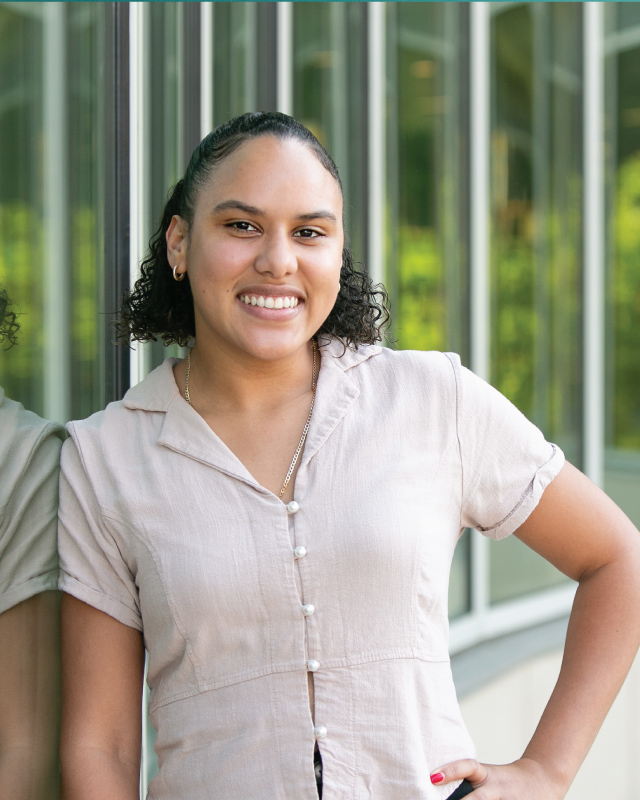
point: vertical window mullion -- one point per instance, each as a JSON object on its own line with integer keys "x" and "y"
{"x": 57, "y": 362}
{"x": 206, "y": 68}
{"x": 284, "y": 49}
{"x": 138, "y": 165}
{"x": 480, "y": 97}
{"x": 594, "y": 253}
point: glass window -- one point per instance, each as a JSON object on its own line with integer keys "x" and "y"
{"x": 427, "y": 174}
{"x": 622, "y": 99}
{"x": 329, "y": 97}
{"x": 51, "y": 188}
{"x": 234, "y": 60}
{"x": 536, "y": 277}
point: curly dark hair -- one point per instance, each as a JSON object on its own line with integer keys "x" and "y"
{"x": 8, "y": 325}
{"x": 159, "y": 307}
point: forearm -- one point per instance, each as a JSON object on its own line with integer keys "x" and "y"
{"x": 30, "y": 699}
{"x": 602, "y": 640}
{"x": 28, "y": 774}
{"x": 89, "y": 773}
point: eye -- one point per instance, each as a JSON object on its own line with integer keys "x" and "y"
{"x": 242, "y": 225}
{"x": 308, "y": 233}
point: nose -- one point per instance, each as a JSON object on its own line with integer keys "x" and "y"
{"x": 276, "y": 256}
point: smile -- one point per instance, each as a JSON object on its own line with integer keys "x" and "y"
{"x": 268, "y": 302}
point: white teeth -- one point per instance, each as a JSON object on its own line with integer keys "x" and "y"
{"x": 269, "y": 302}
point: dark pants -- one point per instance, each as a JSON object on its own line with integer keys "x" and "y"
{"x": 317, "y": 765}
{"x": 463, "y": 790}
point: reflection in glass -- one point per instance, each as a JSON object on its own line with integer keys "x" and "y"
{"x": 427, "y": 171}
{"x": 51, "y": 264}
{"x": 51, "y": 204}
{"x": 329, "y": 90}
{"x": 29, "y": 600}
{"x": 234, "y": 60}
{"x": 622, "y": 98}
{"x": 536, "y": 136}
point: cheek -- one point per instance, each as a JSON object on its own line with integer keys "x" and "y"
{"x": 216, "y": 270}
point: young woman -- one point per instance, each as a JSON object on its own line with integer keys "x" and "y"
{"x": 274, "y": 519}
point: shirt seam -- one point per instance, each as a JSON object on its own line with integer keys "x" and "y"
{"x": 178, "y": 620}
{"x": 456, "y": 381}
{"x": 281, "y": 669}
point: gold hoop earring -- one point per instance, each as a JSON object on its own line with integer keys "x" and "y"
{"x": 178, "y": 276}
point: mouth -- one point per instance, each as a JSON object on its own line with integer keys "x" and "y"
{"x": 269, "y": 301}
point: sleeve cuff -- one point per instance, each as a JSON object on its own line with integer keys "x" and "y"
{"x": 114, "y": 608}
{"x": 34, "y": 586}
{"x": 530, "y": 499}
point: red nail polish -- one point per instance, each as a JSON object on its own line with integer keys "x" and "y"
{"x": 437, "y": 777}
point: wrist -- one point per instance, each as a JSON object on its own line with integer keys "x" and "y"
{"x": 554, "y": 780}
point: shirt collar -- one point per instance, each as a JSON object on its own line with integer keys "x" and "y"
{"x": 159, "y": 388}
{"x": 185, "y": 431}
{"x": 156, "y": 391}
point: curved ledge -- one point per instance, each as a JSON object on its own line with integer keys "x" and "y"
{"x": 482, "y": 663}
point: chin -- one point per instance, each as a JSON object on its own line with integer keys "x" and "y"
{"x": 275, "y": 348}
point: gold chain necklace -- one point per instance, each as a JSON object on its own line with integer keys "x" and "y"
{"x": 305, "y": 430}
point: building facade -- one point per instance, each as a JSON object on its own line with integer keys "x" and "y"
{"x": 490, "y": 155}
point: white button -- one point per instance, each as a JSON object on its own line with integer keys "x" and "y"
{"x": 320, "y": 731}
{"x": 292, "y": 507}
{"x": 313, "y": 665}
{"x": 300, "y": 551}
{"x": 308, "y": 609}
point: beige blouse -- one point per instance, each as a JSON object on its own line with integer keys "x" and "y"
{"x": 29, "y": 457}
{"x": 239, "y": 596}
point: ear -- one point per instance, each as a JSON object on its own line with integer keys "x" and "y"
{"x": 176, "y": 236}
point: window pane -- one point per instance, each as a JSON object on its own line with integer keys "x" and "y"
{"x": 51, "y": 189}
{"x": 536, "y": 279}
{"x": 234, "y": 60}
{"x": 622, "y": 98}
{"x": 427, "y": 172}
{"x": 329, "y": 97}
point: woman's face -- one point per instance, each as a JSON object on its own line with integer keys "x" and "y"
{"x": 264, "y": 251}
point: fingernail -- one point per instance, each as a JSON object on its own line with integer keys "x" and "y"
{"x": 437, "y": 777}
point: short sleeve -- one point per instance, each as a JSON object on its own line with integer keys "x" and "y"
{"x": 506, "y": 461}
{"x": 92, "y": 566}
{"x": 28, "y": 554}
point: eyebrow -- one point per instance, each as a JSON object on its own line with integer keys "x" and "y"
{"x": 239, "y": 206}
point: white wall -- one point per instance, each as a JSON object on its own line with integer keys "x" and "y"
{"x": 502, "y": 715}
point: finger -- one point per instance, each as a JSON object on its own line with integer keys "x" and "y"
{"x": 468, "y": 768}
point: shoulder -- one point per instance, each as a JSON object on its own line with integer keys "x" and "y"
{"x": 404, "y": 368}
{"x": 25, "y": 438}
{"x": 144, "y": 404}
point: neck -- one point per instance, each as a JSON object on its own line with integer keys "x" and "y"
{"x": 232, "y": 381}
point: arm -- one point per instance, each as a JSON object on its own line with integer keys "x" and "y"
{"x": 30, "y": 698}
{"x": 582, "y": 532}
{"x": 102, "y": 673}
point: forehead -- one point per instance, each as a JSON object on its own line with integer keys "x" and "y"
{"x": 266, "y": 172}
